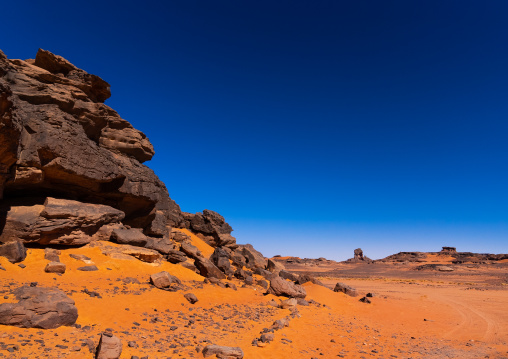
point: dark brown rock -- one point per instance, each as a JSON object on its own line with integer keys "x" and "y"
{"x": 253, "y": 258}
{"x": 220, "y": 258}
{"x": 59, "y": 139}
{"x": 282, "y": 287}
{"x": 14, "y": 251}
{"x": 191, "y": 298}
{"x": 344, "y": 288}
{"x": 175, "y": 256}
{"x": 222, "y": 352}
{"x": 130, "y": 236}
{"x": 211, "y": 227}
{"x": 190, "y": 250}
{"x": 161, "y": 245}
{"x": 90, "y": 268}
{"x": 39, "y": 307}
{"x": 57, "y": 221}
{"x": 208, "y": 269}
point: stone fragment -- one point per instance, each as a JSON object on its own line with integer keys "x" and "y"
{"x": 191, "y": 298}
{"x": 221, "y": 260}
{"x": 343, "y": 288}
{"x": 254, "y": 259}
{"x": 110, "y": 346}
{"x": 90, "y": 268}
{"x": 52, "y": 254}
{"x": 55, "y": 267}
{"x": 190, "y": 250}
{"x": 222, "y": 352}
{"x": 288, "y": 303}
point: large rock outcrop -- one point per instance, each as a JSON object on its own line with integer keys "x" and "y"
{"x": 58, "y": 139}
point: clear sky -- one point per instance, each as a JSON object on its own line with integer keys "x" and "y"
{"x": 314, "y": 127}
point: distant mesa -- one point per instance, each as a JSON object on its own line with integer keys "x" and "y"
{"x": 449, "y": 250}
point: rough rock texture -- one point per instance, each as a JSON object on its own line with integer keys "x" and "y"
{"x": 223, "y": 352}
{"x": 341, "y": 287}
{"x": 164, "y": 280}
{"x": 253, "y": 258}
{"x": 359, "y": 257}
{"x": 55, "y": 267}
{"x": 110, "y": 346}
{"x": 221, "y": 260}
{"x": 131, "y": 236}
{"x": 58, "y": 139}
{"x": 211, "y": 227}
{"x": 57, "y": 221}
{"x": 38, "y": 307}
{"x": 279, "y": 286}
{"x": 14, "y": 251}
{"x": 208, "y": 269}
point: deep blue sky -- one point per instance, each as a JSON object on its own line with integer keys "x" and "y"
{"x": 314, "y": 127}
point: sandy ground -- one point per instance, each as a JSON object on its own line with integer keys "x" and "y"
{"x": 414, "y": 314}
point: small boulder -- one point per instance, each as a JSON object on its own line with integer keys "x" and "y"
{"x": 52, "y": 254}
{"x": 55, "y": 267}
{"x": 174, "y": 256}
{"x": 254, "y": 259}
{"x": 164, "y": 280}
{"x": 288, "y": 275}
{"x": 14, "y": 251}
{"x": 208, "y": 269}
{"x": 282, "y": 287}
{"x": 274, "y": 266}
{"x": 191, "y": 298}
{"x": 341, "y": 287}
{"x": 90, "y": 268}
{"x": 365, "y": 300}
{"x": 288, "y": 303}
{"x": 190, "y": 250}
{"x": 110, "y": 346}
{"x": 222, "y": 352}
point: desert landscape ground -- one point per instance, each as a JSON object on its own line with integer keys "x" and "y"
{"x": 97, "y": 261}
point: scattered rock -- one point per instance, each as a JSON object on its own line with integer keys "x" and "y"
{"x": 164, "y": 280}
{"x": 208, "y": 269}
{"x": 222, "y": 352}
{"x": 444, "y": 268}
{"x": 341, "y": 287}
{"x": 39, "y": 307}
{"x": 289, "y": 303}
{"x": 52, "y": 254}
{"x": 55, "y": 267}
{"x": 365, "y": 300}
{"x": 191, "y": 298}
{"x": 91, "y": 268}
{"x": 279, "y": 286}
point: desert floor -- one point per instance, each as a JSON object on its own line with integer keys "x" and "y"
{"x": 413, "y": 314}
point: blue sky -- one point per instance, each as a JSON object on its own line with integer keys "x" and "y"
{"x": 313, "y": 127}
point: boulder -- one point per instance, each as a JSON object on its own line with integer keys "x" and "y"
{"x": 222, "y": 352}
{"x": 343, "y": 288}
{"x": 130, "y": 236}
{"x": 110, "y": 346}
{"x": 288, "y": 275}
{"x": 274, "y": 266}
{"x": 282, "y": 287}
{"x": 208, "y": 269}
{"x": 57, "y": 221}
{"x": 55, "y": 267}
{"x": 175, "y": 256}
{"x": 253, "y": 258}
{"x": 288, "y": 303}
{"x": 14, "y": 251}
{"x": 164, "y": 280}
{"x": 190, "y": 250}
{"x": 220, "y": 258}
{"x": 191, "y": 298}
{"x": 39, "y": 307}
{"x": 59, "y": 139}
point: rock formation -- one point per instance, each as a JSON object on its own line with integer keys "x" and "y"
{"x": 58, "y": 139}
{"x": 359, "y": 257}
